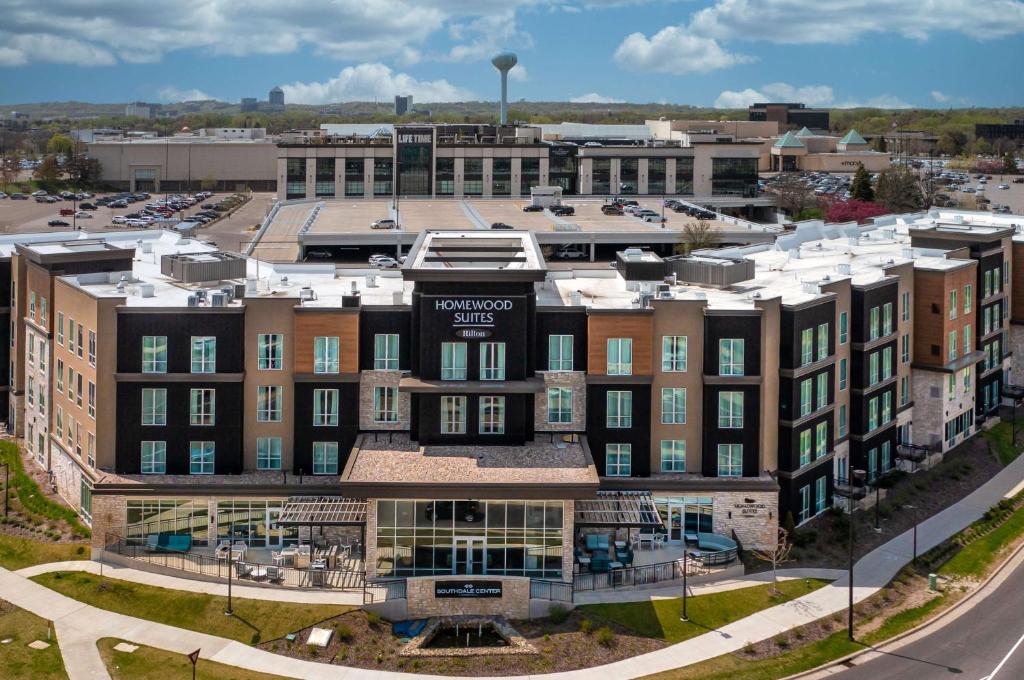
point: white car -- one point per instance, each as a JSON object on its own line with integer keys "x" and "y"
{"x": 386, "y": 223}
{"x": 119, "y": 219}
{"x": 386, "y": 263}
{"x": 39, "y": 193}
{"x": 1004, "y": 186}
{"x": 135, "y": 223}
{"x": 83, "y": 215}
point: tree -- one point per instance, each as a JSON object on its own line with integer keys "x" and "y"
{"x": 982, "y": 147}
{"x": 8, "y": 170}
{"x": 853, "y": 211}
{"x": 48, "y": 172}
{"x": 83, "y": 171}
{"x": 1009, "y": 163}
{"x": 793, "y": 195}
{"x": 860, "y": 188}
{"x": 898, "y": 190}
{"x": 697, "y": 235}
{"x": 951, "y": 143}
{"x": 880, "y": 144}
{"x": 775, "y": 556}
{"x": 61, "y": 145}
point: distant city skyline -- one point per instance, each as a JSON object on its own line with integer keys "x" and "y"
{"x": 726, "y": 53}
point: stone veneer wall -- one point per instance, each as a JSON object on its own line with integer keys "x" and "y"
{"x": 568, "y": 526}
{"x": 67, "y": 476}
{"x": 930, "y": 389}
{"x": 575, "y": 380}
{"x": 754, "y": 531}
{"x": 371, "y": 379}
{"x": 107, "y": 516}
{"x": 370, "y": 550}
{"x": 514, "y": 602}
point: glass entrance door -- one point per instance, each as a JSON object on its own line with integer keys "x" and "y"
{"x": 468, "y": 556}
{"x": 273, "y": 533}
{"x": 675, "y": 522}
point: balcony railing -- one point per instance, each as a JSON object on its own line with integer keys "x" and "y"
{"x": 650, "y": 573}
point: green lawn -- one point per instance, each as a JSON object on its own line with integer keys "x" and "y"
{"x": 975, "y": 558}
{"x": 1000, "y": 437}
{"x": 16, "y": 659}
{"x": 254, "y": 620}
{"x": 907, "y": 619}
{"x": 147, "y": 662}
{"x": 17, "y": 552}
{"x": 35, "y": 504}
{"x": 660, "y": 618}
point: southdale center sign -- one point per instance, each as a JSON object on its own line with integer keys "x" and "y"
{"x": 473, "y": 311}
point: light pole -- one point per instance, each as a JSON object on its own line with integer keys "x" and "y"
{"x": 878, "y": 526}
{"x": 858, "y": 476}
{"x": 684, "y": 617}
{"x": 229, "y": 611}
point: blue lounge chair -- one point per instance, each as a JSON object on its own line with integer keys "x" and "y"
{"x": 168, "y": 543}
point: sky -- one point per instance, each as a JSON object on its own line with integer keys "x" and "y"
{"x": 724, "y": 53}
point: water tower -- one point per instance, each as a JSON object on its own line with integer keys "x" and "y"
{"x": 504, "y": 63}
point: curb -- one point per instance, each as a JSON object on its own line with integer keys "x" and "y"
{"x": 916, "y": 629}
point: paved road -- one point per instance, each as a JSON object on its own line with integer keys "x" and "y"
{"x": 985, "y": 643}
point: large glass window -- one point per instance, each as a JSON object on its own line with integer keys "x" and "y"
{"x": 560, "y": 352}
{"x": 492, "y": 415}
{"x": 325, "y": 408}
{"x": 822, "y": 390}
{"x": 453, "y": 415}
{"x": 382, "y": 176}
{"x": 355, "y": 178}
{"x": 295, "y": 178}
{"x": 268, "y": 453}
{"x": 325, "y": 458}
{"x": 618, "y": 460}
{"x": 154, "y": 458}
{"x": 684, "y": 176}
{"x": 673, "y": 455}
{"x": 559, "y": 405}
{"x": 325, "y": 354}
{"x": 269, "y": 403}
{"x": 473, "y": 176}
{"x": 529, "y": 175}
{"x": 154, "y": 354}
{"x": 270, "y": 351}
{"x": 201, "y": 458}
{"x": 414, "y": 169}
{"x": 806, "y": 346}
{"x": 673, "y": 353}
{"x": 806, "y": 390}
{"x": 501, "y": 177}
{"x": 204, "y": 354}
{"x": 629, "y": 175}
{"x": 601, "y": 176}
{"x": 453, "y": 361}
{"x": 820, "y": 439}
{"x": 619, "y": 409}
{"x": 385, "y": 404}
{"x": 805, "y": 447}
{"x": 620, "y": 356}
{"x": 202, "y": 406}
{"x": 492, "y": 361}
{"x": 730, "y": 460}
{"x": 730, "y": 410}
{"x": 563, "y": 170}
{"x": 445, "y": 177}
{"x": 154, "y": 406}
{"x": 324, "y": 186}
{"x": 656, "y": 175}
{"x": 730, "y": 356}
{"x": 673, "y": 405}
{"x": 734, "y": 177}
{"x": 385, "y": 352}
{"x": 822, "y": 341}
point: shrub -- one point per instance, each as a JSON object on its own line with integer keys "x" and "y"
{"x": 344, "y": 633}
{"x": 558, "y": 614}
{"x": 605, "y": 636}
{"x": 373, "y": 619}
{"x": 586, "y": 626}
{"x": 781, "y": 641}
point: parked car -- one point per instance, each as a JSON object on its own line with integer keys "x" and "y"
{"x": 57, "y": 223}
{"x": 563, "y": 210}
{"x": 386, "y": 223}
{"x": 86, "y": 206}
{"x": 533, "y": 208}
{"x": 67, "y": 212}
{"x": 569, "y": 254}
{"x": 386, "y": 263}
{"x": 1004, "y": 186}
{"x": 119, "y": 219}
{"x": 501, "y": 225}
{"x": 318, "y": 254}
{"x": 19, "y": 197}
{"x": 2, "y": 195}
{"x": 83, "y": 215}
{"x": 611, "y": 209}
{"x": 39, "y": 193}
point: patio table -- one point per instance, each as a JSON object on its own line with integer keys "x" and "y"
{"x": 258, "y": 573}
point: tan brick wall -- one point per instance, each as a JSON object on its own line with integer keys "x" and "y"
{"x": 514, "y": 602}
{"x": 371, "y": 379}
{"x": 568, "y": 523}
{"x": 577, "y": 382}
{"x": 756, "y": 530}
{"x": 108, "y": 514}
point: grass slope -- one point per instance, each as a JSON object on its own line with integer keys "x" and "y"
{"x": 147, "y": 662}
{"x": 17, "y": 553}
{"x": 17, "y": 660}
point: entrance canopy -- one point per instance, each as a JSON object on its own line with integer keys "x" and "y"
{"x": 323, "y": 511}
{"x": 618, "y": 509}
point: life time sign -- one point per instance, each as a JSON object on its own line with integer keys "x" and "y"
{"x": 480, "y": 312}
{"x": 467, "y": 589}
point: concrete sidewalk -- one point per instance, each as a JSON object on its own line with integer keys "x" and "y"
{"x": 79, "y": 626}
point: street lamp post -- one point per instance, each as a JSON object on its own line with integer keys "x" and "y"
{"x": 878, "y": 526}
{"x": 684, "y": 617}
{"x": 229, "y": 611}
{"x": 858, "y": 476}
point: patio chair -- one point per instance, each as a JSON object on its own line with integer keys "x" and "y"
{"x": 221, "y": 551}
{"x": 275, "y": 574}
{"x": 600, "y": 564}
{"x": 597, "y": 543}
{"x": 242, "y": 570}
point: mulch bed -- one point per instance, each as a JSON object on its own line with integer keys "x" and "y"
{"x": 29, "y": 525}
{"x": 367, "y": 642}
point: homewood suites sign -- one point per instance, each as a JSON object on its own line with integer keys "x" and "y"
{"x": 467, "y": 589}
{"x": 473, "y": 311}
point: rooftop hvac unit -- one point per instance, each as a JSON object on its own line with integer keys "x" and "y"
{"x": 218, "y": 299}
{"x": 193, "y": 300}
{"x": 371, "y": 280}
{"x": 240, "y": 290}
{"x": 907, "y": 253}
{"x": 633, "y": 253}
{"x": 576, "y": 298}
{"x": 355, "y": 287}
{"x": 671, "y": 279}
{"x": 664, "y": 291}
{"x": 811, "y": 288}
{"x": 200, "y": 294}
{"x": 645, "y": 300}
{"x": 250, "y": 286}
{"x": 307, "y": 293}
{"x": 229, "y": 291}
{"x": 146, "y": 290}
{"x": 844, "y": 269}
{"x": 396, "y": 297}
{"x": 147, "y": 246}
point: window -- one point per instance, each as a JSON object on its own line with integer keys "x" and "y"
{"x": 204, "y": 354}
{"x": 453, "y": 361}
{"x": 269, "y": 403}
{"x": 673, "y": 353}
{"x": 873, "y": 414}
{"x": 952, "y": 346}
{"x": 873, "y": 324}
{"x": 385, "y": 404}
{"x": 200, "y": 458}
{"x": 730, "y": 356}
{"x": 90, "y": 452}
{"x": 822, "y": 341}
{"x": 154, "y": 354}
{"x": 967, "y": 339}
{"x": 620, "y": 409}
{"x": 842, "y": 420}
{"x": 730, "y": 460}
{"x": 43, "y": 316}
{"x": 906, "y": 305}
{"x": 385, "y": 352}
{"x": 492, "y": 415}
{"x": 270, "y": 351}
{"x": 805, "y": 448}
{"x": 92, "y": 348}
{"x": 201, "y": 406}
{"x": 968, "y": 302}
{"x": 819, "y": 494}
{"x": 806, "y": 346}
{"x": 887, "y": 407}
{"x": 560, "y": 352}
{"x": 844, "y": 327}
{"x": 950, "y": 386}
{"x": 559, "y": 405}
{"x": 60, "y": 328}
{"x": 842, "y": 374}
{"x": 872, "y": 464}
{"x": 905, "y": 348}
{"x": 92, "y": 400}
{"x": 952, "y": 304}
{"x": 81, "y": 345}
{"x": 886, "y": 456}
{"x": 325, "y": 458}
{"x": 673, "y": 455}
{"x": 154, "y": 458}
{"x": 618, "y": 460}
{"x": 822, "y": 390}
{"x": 820, "y": 439}
{"x": 904, "y": 390}
{"x": 886, "y": 363}
{"x": 887, "y": 318}
{"x": 673, "y": 405}
{"x": 30, "y": 341}
{"x": 620, "y": 356}
{"x": 58, "y": 426}
{"x": 325, "y": 354}
{"x": 805, "y": 503}
{"x": 78, "y": 390}
{"x": 71, "y": 335}
{"x": 453, "y": 415}
{"x": 325, "y": 408}
{"x": 730, "y": 410}
{"x": 806, "y": 392}
{"x": 32, "y": 304}
{"x": 492, "y": 361}
{"x": 873, "y": 368}
{"x": 268, "y": 453}
{"x": 42, "y": 355}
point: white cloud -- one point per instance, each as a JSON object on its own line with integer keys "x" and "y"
{"x": 941, "y": 97}
{"x": 595, "y": 98}
{"x": 171, "y": 93}
{"x": 482, "y": 37}
{"x": 812, "y": 95}
{"x": 677, "y": 51}
{"x": 367, "y": 82}
{"x": 518, "y": 74}
{"x": 20, "y": 49}
{"x": 845, "y": 21}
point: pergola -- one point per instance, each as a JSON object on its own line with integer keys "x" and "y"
{"x": 618, "y": 509}
{"x": 321, "y": 511}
